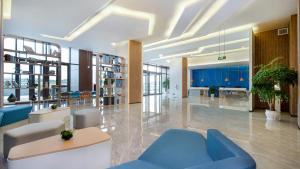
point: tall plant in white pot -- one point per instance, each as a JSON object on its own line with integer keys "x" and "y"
{"x": 268, "y": 82}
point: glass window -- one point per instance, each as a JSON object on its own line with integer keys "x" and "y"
{"x": 10, "y": 43}
{"x": 39, "y": 48}
{"x": 74, "y": 56}
{"x": 30, "y": 44}
{"x": 65, "y": 55}
{"x": 20, "y": 45}
{"x": 74, "y": 78}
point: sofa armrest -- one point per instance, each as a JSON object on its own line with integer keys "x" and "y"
{"x": 229, "y": 163}
{"x": 219, "y": 147}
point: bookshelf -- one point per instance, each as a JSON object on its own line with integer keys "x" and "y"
{"x": 110, "y": 79}
{"x": 32, "y": 70}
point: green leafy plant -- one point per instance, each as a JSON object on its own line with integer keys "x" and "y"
{"x": 66, "y": 134}
{"x": 11, "y": 98}
{"x": 212, "y": 90}
{"x": 166, "y": 84}
{"x": 270, "y": 79}
{"x": 53, "y": 106}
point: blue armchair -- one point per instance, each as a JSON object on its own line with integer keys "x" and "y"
{"x": 182, "y": 149}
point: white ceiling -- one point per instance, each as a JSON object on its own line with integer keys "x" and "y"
{"x": 31, "y": 18}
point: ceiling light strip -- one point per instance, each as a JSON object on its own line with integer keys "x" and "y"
{"x": 104, "y": 12}
{"x": 211, "y": 12}
{"x": 192, "y": 53}
{"x": 215, "y": 7}
{"x": 178, "y": 13}
{"x": 197, "y": 39}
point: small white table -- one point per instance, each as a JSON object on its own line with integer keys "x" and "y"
{"x": 61, "y": 113}
{"x": 90, "y": 148}
{"x": 200, "y": 89}
{"x": 232, "y": 89}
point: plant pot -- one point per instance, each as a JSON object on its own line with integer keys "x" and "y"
{"x": 273, "y": 115}
{"x": 212, "y": 96}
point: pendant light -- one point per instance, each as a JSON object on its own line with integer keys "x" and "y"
{"x": 241, "y": 76}
{"x": 224, "y": 54}
{"x": 202, "y": 75}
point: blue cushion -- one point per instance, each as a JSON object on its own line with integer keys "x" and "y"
{"x": 177, "y": 149}
{"x": 12, "y": 114}
{"x": 137, "y": 164}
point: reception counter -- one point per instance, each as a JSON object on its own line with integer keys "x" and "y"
{"x": 89, "y": 149}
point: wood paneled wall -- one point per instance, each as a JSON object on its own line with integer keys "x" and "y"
{"x": 135, "y": 66}
{"x": 268, "y": 46}
{"x": 85, "y": 70}
{"x": 293, "y": 62}
{"x": 184, "y": 77}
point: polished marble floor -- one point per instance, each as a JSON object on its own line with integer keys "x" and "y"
{"x": 134, "y": 127}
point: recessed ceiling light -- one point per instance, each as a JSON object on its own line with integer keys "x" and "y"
{"x": 113, "y": 44}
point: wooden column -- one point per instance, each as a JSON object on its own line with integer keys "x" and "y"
{"x": 135, "y": 66}
{"x": 293, "y": 63}
{"x": 184, "y": 77}
{"x": 85, "y": 70}
{"x": 298, "y": 66}
{"x": 268, "y": 46}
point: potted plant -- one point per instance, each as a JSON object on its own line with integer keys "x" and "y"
{"x": 66, "y": 134}
{"x": 268, "y": 82}
{"x": 11, "y": 98}
{"x": 212, "y": 91}
{"x": 166, "y": 84}
{"x": 54, "y": 106}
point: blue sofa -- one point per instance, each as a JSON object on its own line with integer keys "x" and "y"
{"x": 12, "y": 114}
{"x": 182, "y": 149}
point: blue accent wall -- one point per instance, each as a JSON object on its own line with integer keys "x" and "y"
{"x": 216, "y": 77}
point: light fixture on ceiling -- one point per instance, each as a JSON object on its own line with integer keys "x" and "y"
{"x": 218, "y": 4}
{"x": 240, "y": 74}
{"x": 114, "y": 44}
{"x": 201, "y": 49}
{"x": 193, "y": 40}
{"x": 178, "y": 13}
{"x": 160, "y": 55}
{"x": 103, "y": 13}
{"x": 7, "y": 9}
{"x": 168, "y": 61}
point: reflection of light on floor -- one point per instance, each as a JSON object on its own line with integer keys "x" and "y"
{"x": 155, "y": 134}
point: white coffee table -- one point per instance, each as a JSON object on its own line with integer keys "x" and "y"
{"x": 90, "y": 148}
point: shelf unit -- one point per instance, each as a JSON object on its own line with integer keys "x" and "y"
{"x": 110, "y": 79}
{"x": 41, "y": 76}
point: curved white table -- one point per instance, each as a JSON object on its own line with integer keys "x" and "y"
{"x": 88, "y": 149}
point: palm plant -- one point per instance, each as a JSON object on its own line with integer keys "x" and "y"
{"x": 269, "y": 80}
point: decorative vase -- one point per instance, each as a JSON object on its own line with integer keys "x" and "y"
{"x": 273, "y": 115}
{"x": 212, "y": 96}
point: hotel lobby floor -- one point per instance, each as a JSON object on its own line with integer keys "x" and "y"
{"x": 134, "y": 127}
